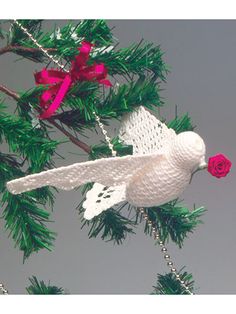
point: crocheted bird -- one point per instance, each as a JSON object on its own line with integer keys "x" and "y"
{"x": 158, "y": 171}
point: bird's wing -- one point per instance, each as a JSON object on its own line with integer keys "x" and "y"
{"x": 101, "y": 197}
{"x": 145, "y": 132}
{"x": 106, "y": 171}
{"x": 147, "y": 135}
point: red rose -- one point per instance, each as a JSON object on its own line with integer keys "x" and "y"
{"x": 219, "y": 166}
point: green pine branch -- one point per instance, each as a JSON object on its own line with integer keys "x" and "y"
{"x": 116, "y": 103}
{"x": 84, "y": 98}
{"x": 16, "y": 35}
{"x": 63, "y": 46}
{"x": 28, "y": 101}
{"x": 134, "y": 60}
{"x": 95, "y": 31}
{"x": 24, "y": 218}
{"x": 173, "y": 220}
{"x": 17, "y": 40}
{"x": 110, "y": 226}
{"x": 181, "y": 124}
{"x": 168, "y": 284}
{"x": 30, "y": 143}
{"x": 39, "y": 287}
{"x": 26, "y": 222}
{"x": 23, "y": 214}
{"x": 129, "y": 96}
{"x": 10, "y": 166}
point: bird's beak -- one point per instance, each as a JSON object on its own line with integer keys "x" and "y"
{"x": 202, "y": 165}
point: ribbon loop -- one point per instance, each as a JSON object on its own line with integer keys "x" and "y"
{"x": 59, "y": 82}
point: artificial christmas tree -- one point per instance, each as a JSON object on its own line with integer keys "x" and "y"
{"x": 73, "y": 97}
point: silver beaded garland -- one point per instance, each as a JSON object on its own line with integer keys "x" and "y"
{"x": 156, "y": 236}
{"x": 40, "y": 46}
{"x": 3, "y": 289}
{"x": 104, "y": 132}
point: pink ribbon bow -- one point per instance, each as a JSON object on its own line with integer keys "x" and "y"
{"x": 60, "y": 82}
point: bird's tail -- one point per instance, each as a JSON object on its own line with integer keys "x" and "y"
{"x": 100, "y": 198}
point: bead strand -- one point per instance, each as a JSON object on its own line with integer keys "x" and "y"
{"x": 3, "y": 289}
{"x": 40, "y": 46}
{"x": 107, "y": 138}
{"x": 170, "y": 263}
{"x": 104, "y": 132}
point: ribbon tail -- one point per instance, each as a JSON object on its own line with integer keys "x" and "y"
{"x": 105, "y": 82}
{"x": 58, "y": 99}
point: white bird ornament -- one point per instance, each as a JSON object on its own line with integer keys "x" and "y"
{"x": 158, "y": 171}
